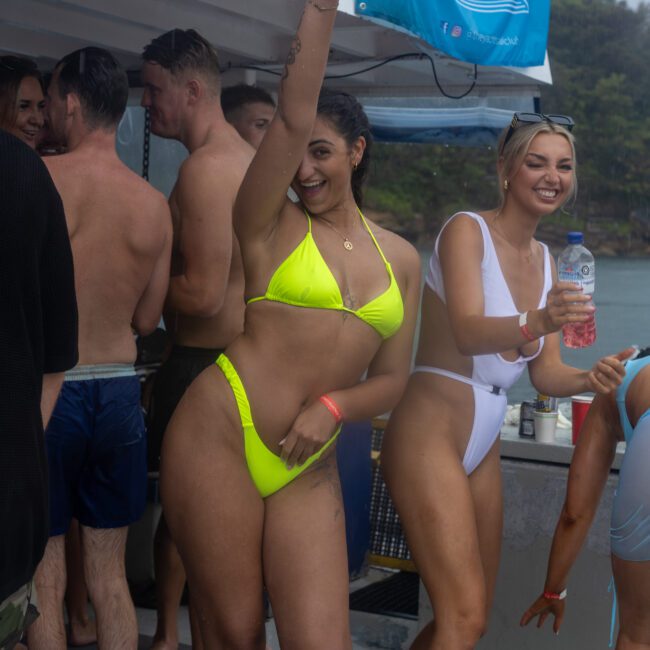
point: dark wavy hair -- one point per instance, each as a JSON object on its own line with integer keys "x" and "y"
{"x": 13, "y": 69}
{"x": 348, "y": 117}
{"x": 99, "y": 81}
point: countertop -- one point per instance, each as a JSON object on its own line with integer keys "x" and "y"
{"x": 515, "y": 447}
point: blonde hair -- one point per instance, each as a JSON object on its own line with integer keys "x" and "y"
{"x": 512, "y": 154}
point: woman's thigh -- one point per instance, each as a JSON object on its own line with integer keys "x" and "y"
{"x": 633, "y": 591}
{"x": 446, "y": 514}
{"x": 305, "y": 560}
{"x": 214, "y": 513}
{"x": 485, "y": 487}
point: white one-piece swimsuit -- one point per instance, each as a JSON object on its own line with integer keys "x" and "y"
{"x": 492, "y": 375}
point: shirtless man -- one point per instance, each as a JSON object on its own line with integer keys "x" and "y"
{"x": 120, "y": 231}
{"x": 204, "y": 310}
{"x": 249, "y": 109}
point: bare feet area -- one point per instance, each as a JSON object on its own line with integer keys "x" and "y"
{"x": 165, "y": 645}
{"x": 161, "y": 644}
{"x": 81, "y": 633}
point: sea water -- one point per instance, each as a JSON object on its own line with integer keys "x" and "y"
{"x": 622, "y": 309}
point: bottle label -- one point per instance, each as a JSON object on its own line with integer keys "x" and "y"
{"x": 582, "y": 274}
{"x": 526, "y": 422}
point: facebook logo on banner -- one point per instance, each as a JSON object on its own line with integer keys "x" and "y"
{"x": 488, "y": 32}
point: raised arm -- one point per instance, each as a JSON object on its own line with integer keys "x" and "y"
{"x": 149, "y": 308}
{"x": 588, "y": 474}
{"x": 263, "y": 191}
{"x": 205, "y": 203}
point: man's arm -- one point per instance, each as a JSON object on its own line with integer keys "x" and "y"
{"x": 58, "y": 301}
{"x": 149, "y": 309}
{"x": 205, "y": 197}
{"x": 58, "y": 297}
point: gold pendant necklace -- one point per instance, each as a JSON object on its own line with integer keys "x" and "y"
{"x": 347, "y": 244}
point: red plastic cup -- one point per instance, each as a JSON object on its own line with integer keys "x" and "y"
{"x": 579, "y": 406}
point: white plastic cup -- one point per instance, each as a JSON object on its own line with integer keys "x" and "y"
{"x": 545, "y": 424}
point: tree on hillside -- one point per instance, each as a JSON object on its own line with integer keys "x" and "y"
{"x": 430, "y": 182}
{"x": 600, "y": 77}
{"x": 598, "y": 55}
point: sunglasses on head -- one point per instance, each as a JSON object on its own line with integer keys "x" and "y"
{"x": 522, "y": 119}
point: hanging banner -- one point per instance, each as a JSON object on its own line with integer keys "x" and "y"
{"x": 488, "y": 32}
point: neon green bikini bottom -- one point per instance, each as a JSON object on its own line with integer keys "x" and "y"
{"x": 268, "y": 471}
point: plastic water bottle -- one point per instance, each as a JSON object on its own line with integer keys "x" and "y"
{"x": 576, "y": 264}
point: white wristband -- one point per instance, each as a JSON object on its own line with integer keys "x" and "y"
{"x": 523, "y": 326}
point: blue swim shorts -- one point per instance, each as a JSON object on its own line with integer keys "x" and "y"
{"x": 96, "y": 448}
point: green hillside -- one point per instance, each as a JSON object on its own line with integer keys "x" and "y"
{"x": 598, "y": 51}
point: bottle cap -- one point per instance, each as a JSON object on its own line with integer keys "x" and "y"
{"x": 574, "y": 238}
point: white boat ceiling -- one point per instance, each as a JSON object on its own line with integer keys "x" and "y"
{"x": 256, "y": 33}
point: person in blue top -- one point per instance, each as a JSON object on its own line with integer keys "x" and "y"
{"x": 624, "y": 415}
{"x": 249, "y": 481}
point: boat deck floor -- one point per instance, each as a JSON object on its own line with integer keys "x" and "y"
{"x": 368, "y": 630}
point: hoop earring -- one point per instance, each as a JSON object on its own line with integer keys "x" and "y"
{"x": 505, "y": 185}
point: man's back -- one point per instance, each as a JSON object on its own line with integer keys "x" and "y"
{"x": 204, "y": 308}
{"x": 120, "y": 233}
{"x": 220, "y": 164}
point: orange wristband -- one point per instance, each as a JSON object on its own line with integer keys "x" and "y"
{"x": 523, "y": 326}
{"x": 332, "y": 407}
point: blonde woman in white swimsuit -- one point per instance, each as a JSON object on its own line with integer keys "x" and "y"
{"x": 492, "y": 307}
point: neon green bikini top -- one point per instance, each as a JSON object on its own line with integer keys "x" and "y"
{"x": 304, "y": 280}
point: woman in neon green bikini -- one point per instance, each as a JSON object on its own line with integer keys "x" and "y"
{"x": 250, "y": 485}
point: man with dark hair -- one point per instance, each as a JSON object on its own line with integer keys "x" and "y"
{"x": 98, "y": 81}
{"x": 249, "y": 109}
{"x": 38, "y": 342}
{"x": 178, "y": 62}
{"x": 120, "y": 231}
{"x": 204, "y": 310}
